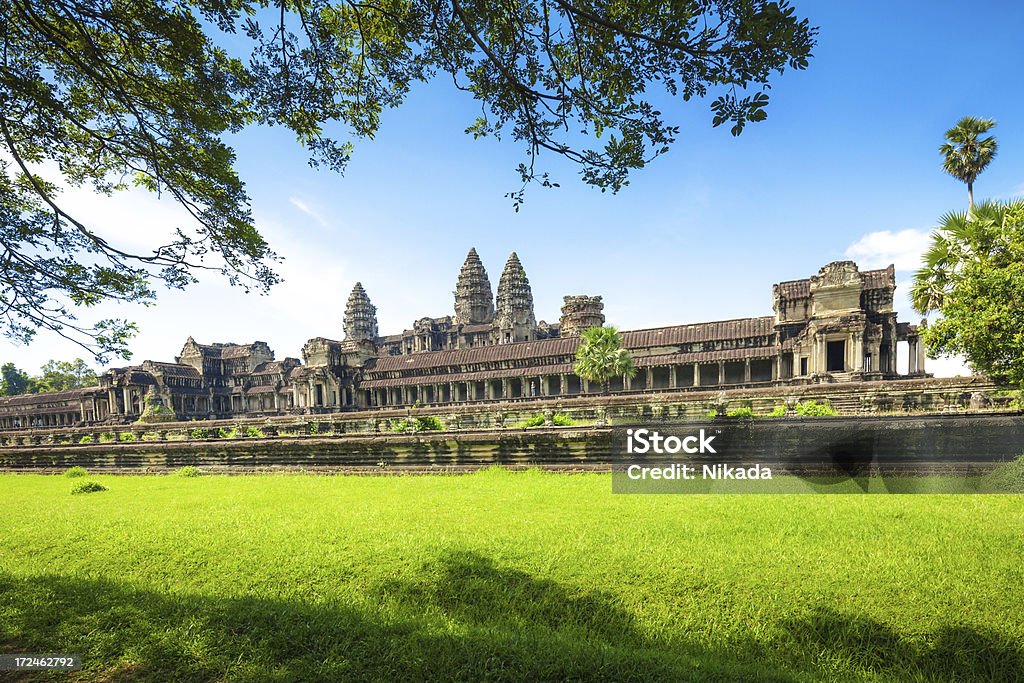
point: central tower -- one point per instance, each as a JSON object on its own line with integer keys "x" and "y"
{"x": 515, "y": 321}
{"x": 474, "y": 300}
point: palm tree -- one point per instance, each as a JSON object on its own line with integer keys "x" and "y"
{"x": 961, "y": 236}
{"x": 967, "y": 155}
{"x": 600, "y": 356}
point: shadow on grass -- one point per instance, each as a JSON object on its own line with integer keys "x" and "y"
{"x": 460, "y": 617}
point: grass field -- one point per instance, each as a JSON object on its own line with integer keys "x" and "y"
{"x": 505, "y": 576}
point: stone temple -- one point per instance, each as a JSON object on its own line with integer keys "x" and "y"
{"x": 836, "y": 326}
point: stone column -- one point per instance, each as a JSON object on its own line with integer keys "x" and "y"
{"x": 920, "y": 355}
{"x": 696, "y": 374}
{"x": 746, "y": 371}
{"x": 721, "y": 372}
{"x": 126, "y": 396}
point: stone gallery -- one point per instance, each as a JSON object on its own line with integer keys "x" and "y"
{"x": 836, "y": 326}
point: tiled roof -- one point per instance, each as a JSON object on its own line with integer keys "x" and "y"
{"x": 566, "y": 346}
{"x": 47, "y": 397}
{"x": 175, "y": 369}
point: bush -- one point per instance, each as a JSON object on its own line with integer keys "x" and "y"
{"x": 87, "y": 487}
{"x": 227, "y": 433}
{"x": 188, "y": 471}
{"x": 815, "y": 409}
{"x": 711, "y": 414}
{"x": 253, "y": 433}
{"x": 73, "y": 472}
{"x": 535, "y": 421}
{"x": 126, "y": 436}
{"x": 417, "y": 424}
{"x": 778, "y": 411}
{"x": 199, "y": 433}
{"x": 107, "y": 437}
{"x": 150, "y": 436}
{"x": 744, "y": 413}
{"x": 562, "y": 420}
{"x": 85, "y": 439}
{"x": 427, "y": 424}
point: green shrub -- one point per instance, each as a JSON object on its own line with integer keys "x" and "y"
{"x": 199, "y": 433}
{"x": 227, "y": 433}
{"x": 711, "y": 414}
{"x": 76, "y": 471}
{"x": 427, "y": 424}
{"x": 85, "y": 439}
{"x": 778, "y": 411}
{"x": 562, "y": 420}
{"x": 126, "y": 436}
{"x": 253, "y": 432}
{"x": 417, "y": 424}
{"x": 188, "y": 471}
{"x": 107, "y": 437}
{"x": 314, "y": 428}
{"x": 87, "y": 487}
{"x": 744, "y": 413}
{"x": 535, "y": 421}
{"x": 815, "y": 409}
{"x": 150, "y": 436}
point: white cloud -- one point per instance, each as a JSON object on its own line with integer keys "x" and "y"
{"x": 309, "y": 211}
{"x": 879, "y": 249}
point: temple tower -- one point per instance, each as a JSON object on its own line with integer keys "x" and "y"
{"x": 515, "y": 319}
{"x": 474, "y": 301}
{"x": 360, "y": 316}
{"x": 580, "y": 312}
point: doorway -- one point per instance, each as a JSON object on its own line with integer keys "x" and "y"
{"x": 835, "y": 352}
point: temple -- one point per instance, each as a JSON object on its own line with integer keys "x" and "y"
{"x": 836, "y": 326}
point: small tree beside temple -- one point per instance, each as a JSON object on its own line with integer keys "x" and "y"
{"x": 600, "y": 357}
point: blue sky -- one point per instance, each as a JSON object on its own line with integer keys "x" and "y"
{"x": 845, "y": 166}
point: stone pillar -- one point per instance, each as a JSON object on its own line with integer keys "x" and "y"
{"x": 746, "y": 371}
{"x": 858, "y": 352}
{"x": 721, "y": 372}
{"x": 126, "y": 396}
{"x": 920, "y": 355}
{"x": 506, "y": 388}
{"x": 911, "y": 355}
{"x": 696, "y": 374}
{"x": 672, "y": 382}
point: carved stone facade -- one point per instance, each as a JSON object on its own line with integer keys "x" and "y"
{"x": 836, "y": 326}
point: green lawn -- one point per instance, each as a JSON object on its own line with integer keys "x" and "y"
{"x": 505, "y": 576}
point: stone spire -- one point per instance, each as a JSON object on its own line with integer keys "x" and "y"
{"x": 474, "y": 302}
{"x": 515, "y": 319}
{"x": 360, "y": 316}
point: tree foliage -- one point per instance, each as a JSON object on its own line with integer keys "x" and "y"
{"x": 60, "y": 375}
{"x": 973, "y": 276}
{"x": 14, "y": 381}
{"x": 110, "y": 94}
{"x": 966, "y": 154}
{"x": 600, "y": 356}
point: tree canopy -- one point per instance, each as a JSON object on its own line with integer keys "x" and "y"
{"x": 55, "y": 375}
{"x": 110, "y": 94}
{"x": 966, "y": 154}
{"x": 974, "y": 276}
{"x": 600, "y": 356}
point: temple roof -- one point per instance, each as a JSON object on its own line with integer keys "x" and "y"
{"x": 563, "y": 346}
{"x": 882, "y": 278}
